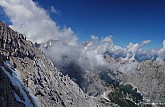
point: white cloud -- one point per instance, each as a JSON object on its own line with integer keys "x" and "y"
{"x": 145, "y": 42}
{"x": 54, "y": 10}
{"x": 163, "y": 43}
{"x": 129, "y": 67}
{"x": 108, "y": 39}
{"x": 33, "y": 21}
{"x": 161, "y": 52}
{"x": 133, "y": 47}
{"x": 94, "y": 37}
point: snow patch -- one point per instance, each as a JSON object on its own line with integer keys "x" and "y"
{"x": 15, "y": 79}
{"x": 105, "y": 95}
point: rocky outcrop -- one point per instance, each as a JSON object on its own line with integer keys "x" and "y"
{"x": 149, "y": 78}
{"x": 42, "y": 81}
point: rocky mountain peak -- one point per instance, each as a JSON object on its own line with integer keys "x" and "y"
{"x": 29, "y": 78}
{"x": 14, "y": 43}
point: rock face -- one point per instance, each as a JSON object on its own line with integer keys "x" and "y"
{"x": 148, "y": 78}
{"x": 29, "y": 79}
{"x": 41, "y": 80}
{"x": 7, "y": 98}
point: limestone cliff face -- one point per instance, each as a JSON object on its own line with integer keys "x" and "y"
{"x": 149, "y": 79}
{"x": 40, "y": 83}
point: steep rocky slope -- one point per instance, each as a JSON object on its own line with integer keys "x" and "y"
{"x": 29, "y": 78}
{"x": 102, "y": 83}
{"x": 38, "y": 79}
{"x": 142, "y": 80}
{"x": 147, "y": 76}
{"x": 149, "y": 79}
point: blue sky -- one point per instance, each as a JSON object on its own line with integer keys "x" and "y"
{"x": 126, "y": 20}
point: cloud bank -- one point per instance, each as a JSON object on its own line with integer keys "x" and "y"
{"x": 33, "y": 21}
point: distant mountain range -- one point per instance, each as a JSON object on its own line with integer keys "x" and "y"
{"x": 28, "y": 78}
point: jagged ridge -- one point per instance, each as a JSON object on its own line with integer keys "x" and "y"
{"x": 47, "y": 84}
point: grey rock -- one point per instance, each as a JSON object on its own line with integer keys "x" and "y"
{"x": 7, "y": 98}
{"x": 47, "y": 84}
{"x": 149, "y": 79}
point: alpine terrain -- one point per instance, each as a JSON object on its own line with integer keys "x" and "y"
{"x": 28, "y": 78}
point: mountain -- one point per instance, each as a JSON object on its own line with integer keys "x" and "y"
{"x": 149, "y": 78}
{"x": 100, "y": 83}
{"x": 127, "y": 82}
{"x": 29, "y": 79}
